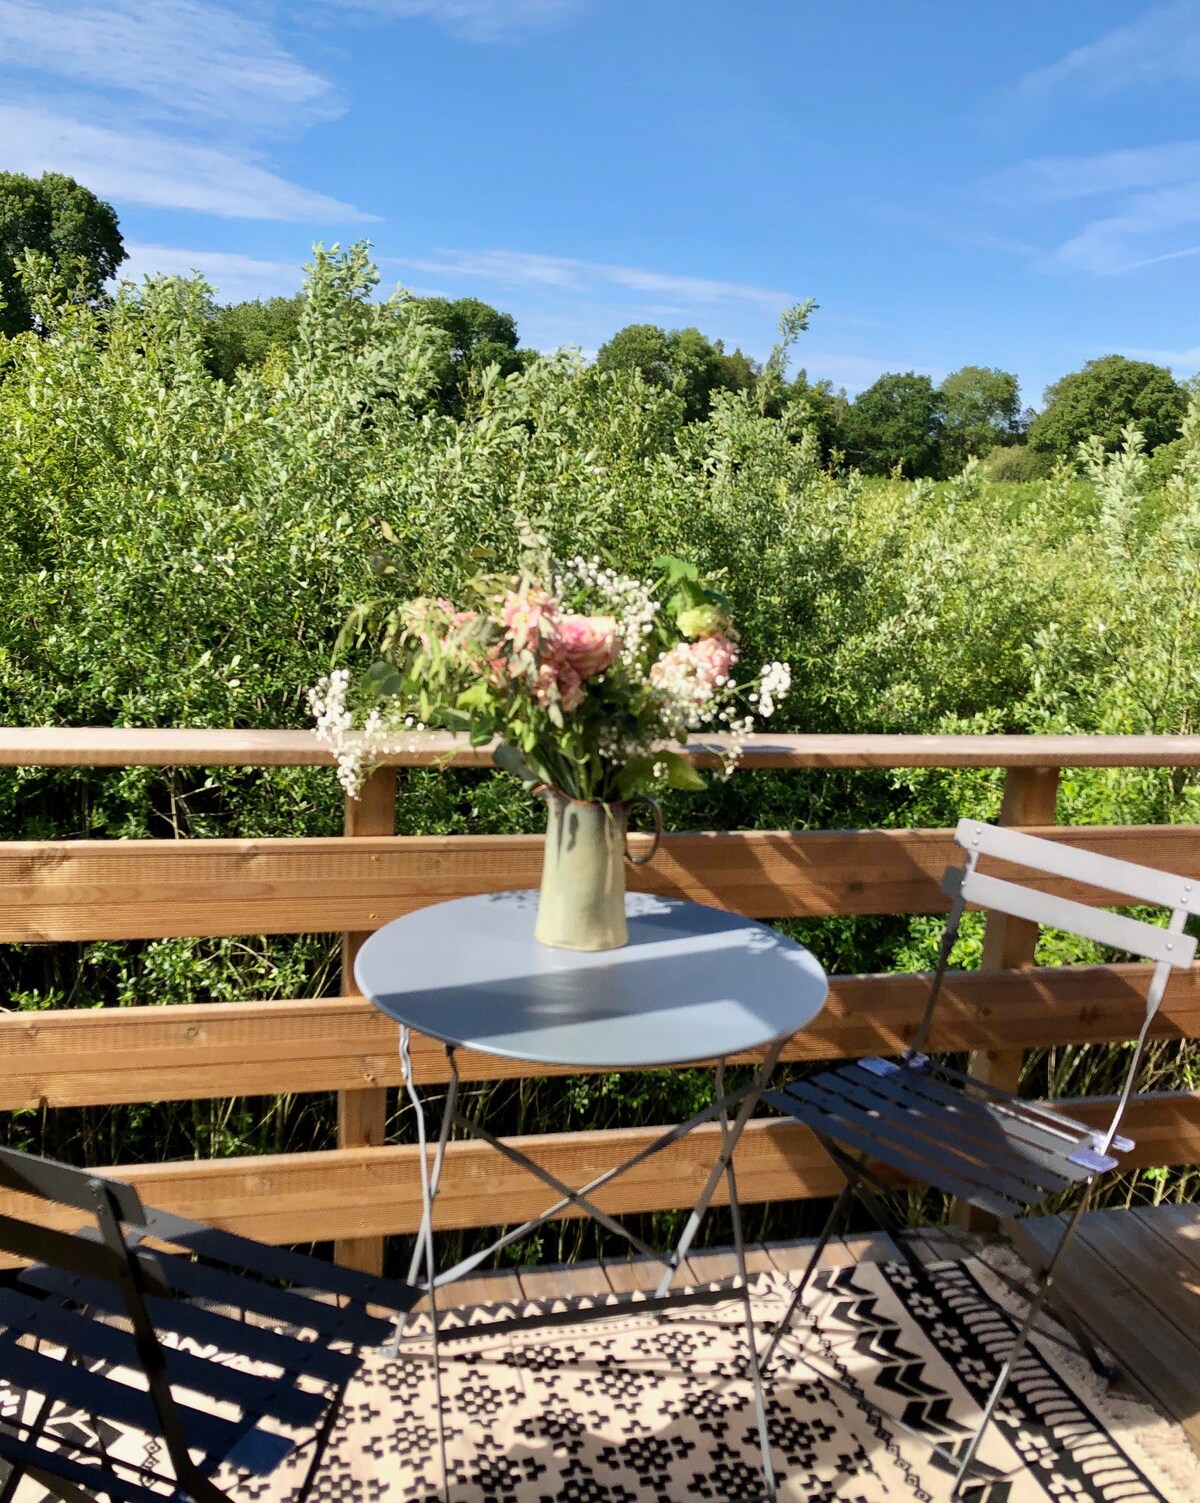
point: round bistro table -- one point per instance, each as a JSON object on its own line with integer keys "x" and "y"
{"x": 694, "y": 985}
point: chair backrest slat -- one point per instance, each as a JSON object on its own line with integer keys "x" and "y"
{"x": 1145, "y": 884}
{"x": 1113, "y": 929}
{"x": 65, "y": 1186}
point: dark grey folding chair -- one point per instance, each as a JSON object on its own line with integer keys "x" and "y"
{"x": 962, "y": 1136}
{"x": 85, "y": 1318}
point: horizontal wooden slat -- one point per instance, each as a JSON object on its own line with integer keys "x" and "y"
{"x": 144, "y": 889}
{"x": 93, "y": 1057}
{"x": 104, "y": 746}
{"x": 372, "y": 1192}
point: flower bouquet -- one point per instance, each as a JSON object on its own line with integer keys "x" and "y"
{"x": 584, "y": 677}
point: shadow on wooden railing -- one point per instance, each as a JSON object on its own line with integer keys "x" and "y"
{"x": 365, "y": 1189}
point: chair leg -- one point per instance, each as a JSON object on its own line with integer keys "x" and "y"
{"x": 822, "y": 1243}
{"x": 321, "y": 1441}
{"x": 1046, "y": 1280}
{"x": 1060, "y": 1311}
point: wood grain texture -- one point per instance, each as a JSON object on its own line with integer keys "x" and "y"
{"x": 362, "y": 1113}
{"x": 145, "y": 889}
{"x": 1130, "y": 1288}
{"x": 105, "y": 746}
{"x": 374, "y": 1192}
{"x": 110, "y": 1056}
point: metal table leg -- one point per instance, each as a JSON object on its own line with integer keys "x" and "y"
{"x": 739, "y": 1248}
{"x": 729, "y": 1141}
{"x": 747, "y": 1098}
{"x": 424, "y": 1243}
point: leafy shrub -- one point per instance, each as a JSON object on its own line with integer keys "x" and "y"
{"x": 178, "y": 549}
{"x": 1018, "y": 463}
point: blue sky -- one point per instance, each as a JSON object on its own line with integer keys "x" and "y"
{"x": 1013, "y": 185}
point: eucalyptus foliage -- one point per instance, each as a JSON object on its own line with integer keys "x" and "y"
{"x": 179, "y": 549}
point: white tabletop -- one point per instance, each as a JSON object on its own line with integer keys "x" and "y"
{"x": 693, "y": 983}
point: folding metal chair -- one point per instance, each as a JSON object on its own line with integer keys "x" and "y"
{"x": 239, "y": 1391}
{"x": 963, "y": 1136}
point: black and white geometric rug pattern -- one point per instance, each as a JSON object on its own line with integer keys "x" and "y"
{"x": 645, "y": 1408}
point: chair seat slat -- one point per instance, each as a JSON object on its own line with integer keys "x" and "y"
{"x": 815, "y": 1114}
{"x": 978, "y": 1121}
{"x": 220, "y": 1246}
{"x": 336, "y": 1322}
{"x": 95, "y": 1394}
{"x": 27, "y": 1456}
{"x": 208, "y": 1327}
{"x": 256, "y": 1394}
{"x": 929, "y": 1132}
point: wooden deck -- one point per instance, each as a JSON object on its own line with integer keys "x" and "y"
{"x": 1133, "y": 1276}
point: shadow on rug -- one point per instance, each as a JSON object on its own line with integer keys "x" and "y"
{"x": 642, "y": 1408}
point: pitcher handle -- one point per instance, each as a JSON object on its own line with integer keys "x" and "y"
{"x": 653, "y": 805}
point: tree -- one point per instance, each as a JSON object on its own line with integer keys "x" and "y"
{"x": 247, "y": 334}
{"x": 982, "y": 408}
{"x": 824, "y": 409}
{"x": 1104, "y": 397}
{"x": 681, "y": 360}
{"x": 896, "y": 422}
{"x": 475, "y": 335}
{"x": 57, "y": 217}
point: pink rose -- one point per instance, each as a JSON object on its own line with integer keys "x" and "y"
{"x": 558, "y": 680}
{"x": 570, "y": 688}
{"x": 715, "y": 657}
{"x": 587, "y": 643}
{"x": 695, "y": 670}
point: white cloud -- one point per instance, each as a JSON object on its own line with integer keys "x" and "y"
{"x": 235, "y": 278}
{"x": 1161, "y": 46}
{"x": 1153, "y": 202}
{"x": 473, "y": 20}
{"x": 149, "y": 167}
{"x": 160, "y": 102}
{"x": 524, "y": 269}
{"x": 1145, "y": 232}
{"x": 1062, "y": 179}
{"x": 179, "y": 58}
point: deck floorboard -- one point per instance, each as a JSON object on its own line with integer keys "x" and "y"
{"x": 1133, "y": 1277}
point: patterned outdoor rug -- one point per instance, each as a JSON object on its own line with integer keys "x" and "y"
{"x": 649, "y": 1409}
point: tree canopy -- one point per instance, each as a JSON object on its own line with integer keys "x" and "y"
{"x": 473, "y": 335}
{"x": 981, "y": 409}
{"x": 896, "y": 423}
{"x": 54, "y": 216}
{"x": 680, "y": 360}
{"x": 244, "y": 334}
{"x": 1104, "y": 398}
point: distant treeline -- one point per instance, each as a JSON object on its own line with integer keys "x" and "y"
{"x": 903, "y": 424}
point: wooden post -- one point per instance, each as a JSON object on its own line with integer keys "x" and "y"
{"x": 1009, "y": 944}
{"x": 362, "y": 1115}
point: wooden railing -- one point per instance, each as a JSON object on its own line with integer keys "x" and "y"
{"x": 365, "y": 1189}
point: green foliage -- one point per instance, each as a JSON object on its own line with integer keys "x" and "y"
{"x": 1103, "y": 399}
{"x": 1017, "y": 463}
{"x": 55, "y": 218}
{"x": 815, "y": 405}
{"x": 895, "y": 425}
{"x": 981, "y": 409}
{"x": 252, "y": 333}
{"x": 682, "y": 361}
{"x": 472, "y": 337}
{"x": 179, "y": 549}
